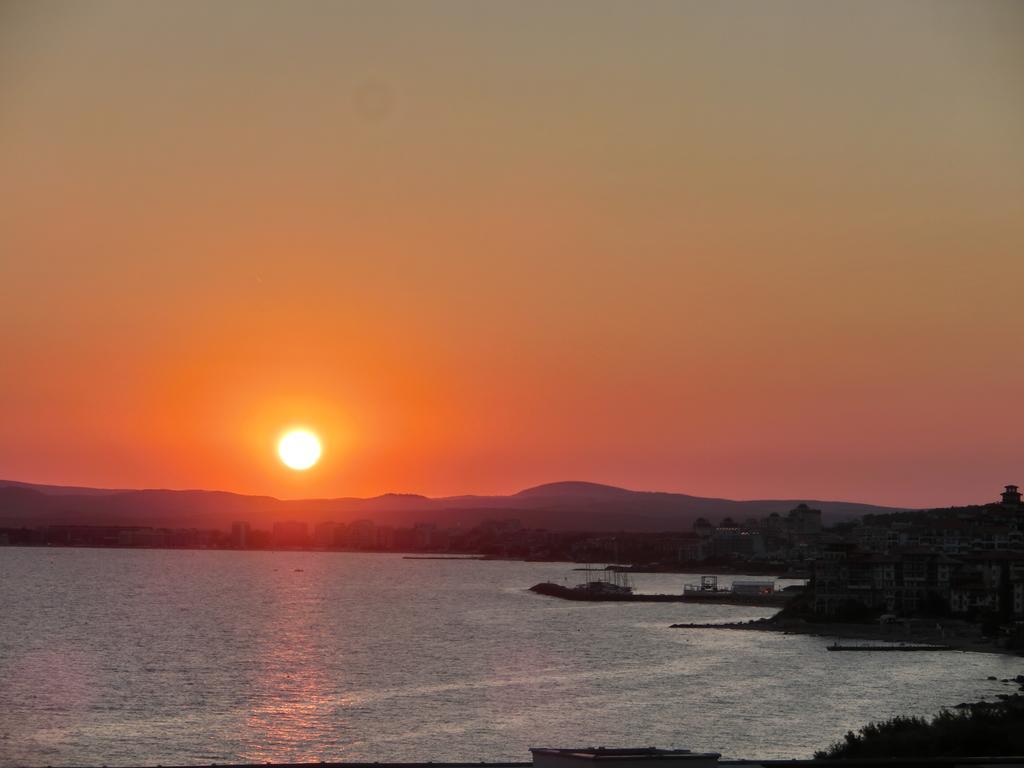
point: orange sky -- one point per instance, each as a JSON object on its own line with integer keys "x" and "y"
{"x": 734, "y": 249}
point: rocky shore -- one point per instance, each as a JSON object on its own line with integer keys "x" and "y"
{"x": 961, "y": 635}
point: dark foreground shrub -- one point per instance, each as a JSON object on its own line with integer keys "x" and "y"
{"x": 983, "y": 729}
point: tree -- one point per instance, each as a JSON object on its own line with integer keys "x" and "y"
{"x": 980, "y": 729}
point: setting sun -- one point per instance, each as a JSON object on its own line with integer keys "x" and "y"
{"x": 299, "y": 449}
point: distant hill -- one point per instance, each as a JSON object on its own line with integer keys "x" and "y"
{"x": 555, "y": 506}
{"x": 576, "y": 489}
{"x": 60, "y": 490}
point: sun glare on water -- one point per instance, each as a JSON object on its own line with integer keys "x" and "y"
{"x": 299, "y": 449}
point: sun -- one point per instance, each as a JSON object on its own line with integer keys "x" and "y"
{"x": 299, "y": 449}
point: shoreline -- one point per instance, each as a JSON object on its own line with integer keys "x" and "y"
{"x": 549, "y": 589}
{"x": 413, "y": 554}
{"x": 958, "y": 635}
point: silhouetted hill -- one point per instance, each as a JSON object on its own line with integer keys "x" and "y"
{"x": 61, "y": 490}
{"x": 556, "y": 506}
{"x": 575, "y": 489}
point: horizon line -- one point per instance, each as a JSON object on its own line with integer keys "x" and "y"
{"x": 6, "y": 482}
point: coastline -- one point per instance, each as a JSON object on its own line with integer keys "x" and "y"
{"x": 959, "y": 635}
{"x": 417, "y": 554}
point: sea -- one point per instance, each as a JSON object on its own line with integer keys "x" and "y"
{"x": 119, "y": 657}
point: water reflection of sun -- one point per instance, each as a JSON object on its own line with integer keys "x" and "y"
{"x": 294, "y": 701}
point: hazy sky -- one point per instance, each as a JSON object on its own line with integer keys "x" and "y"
{"x": 740, "y": 249}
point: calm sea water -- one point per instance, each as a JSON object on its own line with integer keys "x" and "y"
{"x": 117, "y": 656}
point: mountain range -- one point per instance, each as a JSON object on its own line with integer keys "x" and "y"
{"x": 555, "y": 506}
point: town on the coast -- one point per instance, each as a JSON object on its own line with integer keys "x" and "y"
{"x": 959, "y": 562}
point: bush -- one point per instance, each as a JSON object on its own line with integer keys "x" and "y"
{"x": 980, "y": 729}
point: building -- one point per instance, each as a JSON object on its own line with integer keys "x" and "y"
{"x": 362, "y": 534}
{"x": 751, "y": 587}
{"x": 325, "y": 535}
{"x": 703, "y": 528}
{"x": 291, "y": 534}
{"x": 425, "y": 535}
{"x": 804, "y": 521}
{"x": 241, "y": 533}
{"x": 848, "y": 581}
{"x": 1011, "y": 496}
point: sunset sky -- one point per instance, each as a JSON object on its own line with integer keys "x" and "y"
{"x": 736, "y": 249}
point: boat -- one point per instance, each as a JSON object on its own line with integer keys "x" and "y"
{"x": 605, "y": 582}
{"x": 602, "y": 585}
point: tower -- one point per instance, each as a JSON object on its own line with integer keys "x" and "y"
{"x": 1011, "y": 496}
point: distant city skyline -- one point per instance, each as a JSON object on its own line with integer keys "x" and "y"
{"x": 726, "y": 249}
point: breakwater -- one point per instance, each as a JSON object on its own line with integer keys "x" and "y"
{"x": 721, "y": 597}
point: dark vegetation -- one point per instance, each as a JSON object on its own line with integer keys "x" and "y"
{"x": 982, "y": 729}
